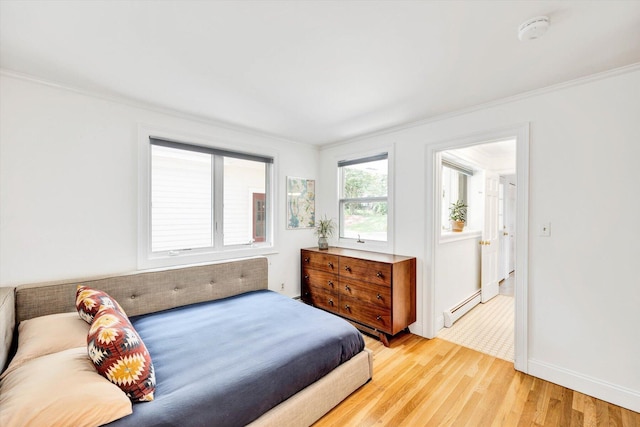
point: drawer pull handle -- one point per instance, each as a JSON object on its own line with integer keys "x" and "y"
{"x": 306, "y": 277}
{"x": 346, "y": 306}
{"x": 378, "y": 317}
{"x": 330, "y": 283}
{"x": 347, "y": 268}
{"x": 378, "y": 296}
{"x": 331, "y": 302}
{"x": 331, "y": 264}
{"x": 306, "y": 259}
{"x": 347, "y": 288}
{"x": 379, "y": 274}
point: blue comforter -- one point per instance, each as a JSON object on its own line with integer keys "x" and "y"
{"x": 226, "y": 362}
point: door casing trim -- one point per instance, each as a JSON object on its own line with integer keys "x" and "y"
{"x": 521, "y": 133}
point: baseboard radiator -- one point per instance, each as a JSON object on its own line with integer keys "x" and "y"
{"x": 450, "y": 316}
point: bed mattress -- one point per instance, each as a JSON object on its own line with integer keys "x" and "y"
{"x": 227, "y": 362}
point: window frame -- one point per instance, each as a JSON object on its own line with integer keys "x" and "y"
{"x": 462, "y": 176}
{"x": 363, "y": 157}
{"x": 149, "y": 259}
{"x": 446, "y": 235}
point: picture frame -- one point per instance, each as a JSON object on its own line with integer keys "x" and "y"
{"x": 301, "y": 203}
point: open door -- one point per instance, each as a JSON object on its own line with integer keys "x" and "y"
{"x": 490, "y": 238}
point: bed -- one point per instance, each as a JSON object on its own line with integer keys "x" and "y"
{"x": 226, "y": 350}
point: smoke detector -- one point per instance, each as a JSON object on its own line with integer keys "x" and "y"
{"x": 533, "y": 28}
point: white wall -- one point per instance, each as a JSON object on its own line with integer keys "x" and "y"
{"x": 583, "y": 284}
{"x": 69, "y": 184}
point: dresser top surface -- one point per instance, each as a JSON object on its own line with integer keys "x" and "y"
{"x": 367, "y": 255}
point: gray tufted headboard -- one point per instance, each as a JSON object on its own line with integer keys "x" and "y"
{"x": 138, "y": 293}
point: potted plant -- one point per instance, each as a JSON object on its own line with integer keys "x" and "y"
{"x": 458, "y": 215}
{"x": 324, "y": 229}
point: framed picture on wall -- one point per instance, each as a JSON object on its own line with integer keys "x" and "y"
{"x": 301, "y": 203}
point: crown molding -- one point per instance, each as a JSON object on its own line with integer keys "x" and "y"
{"x": 529, "y": 94}
{"x": 113, "y": 97}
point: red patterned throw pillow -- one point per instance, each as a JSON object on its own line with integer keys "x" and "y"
{"x": 89, "y": 301}
{"x": 119, "y": 355}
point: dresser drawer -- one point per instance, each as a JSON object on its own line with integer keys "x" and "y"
{"x": 320, "y": 279}
{"x": 373, "y": 316}
{"x": 320, "y": 261}
{"x": 378, "y": 273}
{"x": 322, "y": 298}
{"x": 377, "y": 295}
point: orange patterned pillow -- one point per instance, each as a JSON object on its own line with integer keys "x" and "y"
{"x": 119, "y": 355}
{"x": 89, "y": 301}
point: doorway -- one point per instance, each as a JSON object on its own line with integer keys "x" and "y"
{"x": 478, "y": 312}
{"x": 434, "y": 295}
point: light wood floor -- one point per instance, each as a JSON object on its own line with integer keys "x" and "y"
{"x": 420, "y": 382}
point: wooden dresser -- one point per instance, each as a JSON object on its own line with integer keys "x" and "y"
{"x": 375, "y": 291}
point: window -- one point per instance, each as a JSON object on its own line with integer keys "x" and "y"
{"x": 364, "y": 198}
{"x": 454, "y": 188}
{"x": 205, "y": 200}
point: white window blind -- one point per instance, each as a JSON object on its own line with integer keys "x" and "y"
{"x": 181, "y": 199}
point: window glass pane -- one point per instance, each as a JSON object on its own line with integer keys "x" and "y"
{"x": 365, "y": 180}
{"x": 181, "y": 205}
{"x": 454, "y": 188}
{"x": 363, "y": 200}
{"x": 366, "y": 219}
{"x": 244, "y": 201}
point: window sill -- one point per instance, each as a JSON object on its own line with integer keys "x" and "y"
{"x": 197, "y": 258}
{"x": 371, "y": 245}
{"x": 451, "y": 236}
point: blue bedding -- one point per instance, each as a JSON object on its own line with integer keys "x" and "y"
{"x": 226, "y": 362}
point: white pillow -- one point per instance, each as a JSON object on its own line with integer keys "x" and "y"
{"x": 62, "y": 389}
{"x": 48, "y": 334}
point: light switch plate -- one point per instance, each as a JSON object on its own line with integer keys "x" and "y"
{"x": 544, "y": 230}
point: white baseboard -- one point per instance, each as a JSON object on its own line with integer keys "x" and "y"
{"x": 465, "y": 306}
{"x": 602, "y": 390}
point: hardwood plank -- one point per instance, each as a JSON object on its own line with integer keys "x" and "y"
{"x": 514, "y": 404}
{"x": 420, "y": 382}
{"x": 498, "y": 382}
{"x": 577, "y": 419}
{"x": 590, "y": 419}
{"x": 630, "y": 418}
{"x": 529, "y": 411}
{"x": 615, "y": 416}
{"x": 566, "y": 412}
{"x": 602, "y": 413}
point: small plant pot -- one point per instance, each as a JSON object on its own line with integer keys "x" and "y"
{"x": 323, "y": 244}
{"x": 457, "y": 226}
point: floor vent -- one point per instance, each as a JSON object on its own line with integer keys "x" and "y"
{"x": 450, "y": 316}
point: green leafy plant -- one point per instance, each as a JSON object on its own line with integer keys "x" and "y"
{"x": 325, "y": 227}
{"x": 458, "y": 211}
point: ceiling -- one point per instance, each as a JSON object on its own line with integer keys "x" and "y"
{"x": 498, "y": 156}
{"x": 313, "y": 71}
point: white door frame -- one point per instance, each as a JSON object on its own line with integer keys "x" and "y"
{"x": 521, "y": 133}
